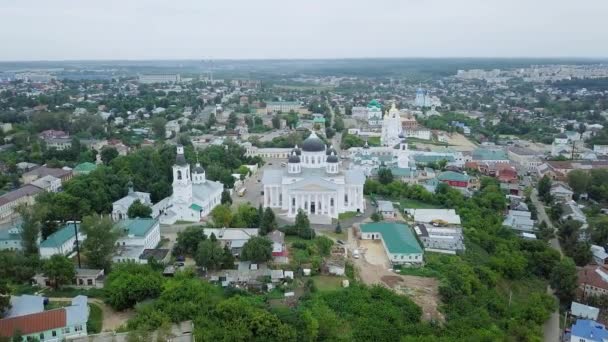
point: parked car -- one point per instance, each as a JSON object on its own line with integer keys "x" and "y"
{"x": 340, "y": 242}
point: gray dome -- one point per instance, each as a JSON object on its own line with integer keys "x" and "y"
{"x": 331, "y": 151}
{"x": 198, "y": 169}
{"x": 181, "y": 160}
{"x": 313, "y": 144}
{"x": 297, "y": 150}
{"x": 332, "y": 159}
{"x": 293, "y": 158}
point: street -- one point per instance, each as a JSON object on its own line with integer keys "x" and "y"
{"x": 551, "y": 329}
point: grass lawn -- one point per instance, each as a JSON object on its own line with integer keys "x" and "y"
{"x": 327, "y": 283}
{"x": 347, "y": 215}
{"x": 56, "y": 305}
{"x": 414, "y": 204}
{"x": 342, "y": 236}
{"x": 95, "y": 321}
{"x": 373, "y": 141}
{"x": 73, "y": 292}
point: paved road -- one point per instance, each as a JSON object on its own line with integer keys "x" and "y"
{"x": 551, "y": 329}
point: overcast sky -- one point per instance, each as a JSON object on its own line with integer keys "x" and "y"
{"x": 196, "y": 29}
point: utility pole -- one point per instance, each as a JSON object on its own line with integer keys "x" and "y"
{"x": 77, "y": 244}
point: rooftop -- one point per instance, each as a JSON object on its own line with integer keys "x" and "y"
{"x": 589, "y": 330}
{"x": 397, "y": 237}
{"x": 138, "y": 226}
{"x": 60, "y": 237}
{"x": 453, "y": 176}
{"x": 489, "y": 154}
{"x": 26, "y": 190}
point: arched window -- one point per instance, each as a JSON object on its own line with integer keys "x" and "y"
{"x": 179, "y": 175}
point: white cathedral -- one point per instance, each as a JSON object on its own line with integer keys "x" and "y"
{"x": 193, "y": 195}
{"x": 391, "y": 128}
{"x": 314, "y": 182}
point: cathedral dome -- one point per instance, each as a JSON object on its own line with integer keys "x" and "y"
{"x": 332, "y": 158}
{"x": 293, "y": 158}
{"x": 313, "y": 144}
{"x": 180, "y": 159}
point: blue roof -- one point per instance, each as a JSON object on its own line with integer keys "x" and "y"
{"x": 137, "y": 226}
{"x": 590, "y": 330}
{"x": 60, "y": 237}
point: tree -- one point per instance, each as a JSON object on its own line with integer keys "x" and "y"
{"x": 579, "y": 181}
{"x": 226, "y": 197}
{"x": 276, "y": 122}
{"x": 228, "y": 258}
{"x": 545, "y": 233}
{"x": 130, "y": 283}
{"x": 338, "y": 124}
{"x": 209, "y": 254}
{"x": 139, "y": 210}
{"x": 302, "y": 226}
{"x": 385, "y": 176}
{"x": 268, "y": 222}
{"x": 59, "y": 269}
{"x": 338, "y": 229}
{"x": 257, "y": 249}
{"x": 30, "y": 229}
{"x": 211, "y": 121}
{"x": 5, "y": 296}
{"x": 599, "y": 231}
{"x": 563, "y": 279}
{"x": 233, "y": 120}
{"x": 188, "y": 240}
{"x": 544, "y": 188}
{"x": 108, "y": 154}
{"x": 222, "y": 216}
{"x": 158, "y": 127}
{"x": 376, "y": 217}
{"x": 100, "y": 243}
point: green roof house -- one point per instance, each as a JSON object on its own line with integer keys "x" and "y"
{"x": 398, "y": 240}
{"x": 10, "y": 239}
{"x": 490, "y": 155}
{"x": 61, "y": 242}
{"x": 84, "y": 168}
{"x": 143, "y": 232}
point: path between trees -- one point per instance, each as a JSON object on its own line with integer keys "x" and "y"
{"x": 112, "y": 319}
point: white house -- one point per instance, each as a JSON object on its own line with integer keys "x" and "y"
{"x": 138, "y": 235}
{"x": 448, "y": 216}
{"x": 121, "y": 207}
{"x": 48, "y": 183}
{"x": 398, "y": 240}
{"x": 561, "y": 191}
{"x": 61, "y": 242}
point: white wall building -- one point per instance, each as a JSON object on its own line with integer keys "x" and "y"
{"x": 121, "y": 207}
{"x": 314, "y": 182}
{"x": 391, "y": 128}
{"x": 193, "y": 195}
{"x": 159, "y": 78}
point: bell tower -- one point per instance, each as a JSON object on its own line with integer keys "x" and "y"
{"x": 182, "y": 179}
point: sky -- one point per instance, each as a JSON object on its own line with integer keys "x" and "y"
{"x": 275, "y": 29}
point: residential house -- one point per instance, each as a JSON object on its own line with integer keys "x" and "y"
{"x": 63, "y": 241}
{"x": 42, "y": 171}
{"x": 444, "y": 216}
{"x": 84, "y": 278}
{"x": 10, "y": 239}
{"x": 121, "y": 207}
{"x": 526, "y": 157}
{"x": 278, "y": 243}
{"x": 583, "y": 311}
{"x": 599, "y": 254}
{"x": 84, "y": 168}
{"x": 386, "y": 209}
{"x": 51, "y": 325}
{"x": 24, "y": 195}
{"x": 234, "y": 238}
{"x": 489, "y": 156}
{"x": 138, "y": 234}
{"x": 448, "y": 239}
{"x": 560, "y": 191}
{"x": 48, "y": 183}
{"x": 593, "y": 280}
{"x": 585, "y": 330}
{"x": 454, "y": 179}
{"x": 571, "y": 211}
{"x": 398, "y": 241}
{"x": 519, "y": 220}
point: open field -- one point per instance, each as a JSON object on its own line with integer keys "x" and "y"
{"x": 327, "y": 283}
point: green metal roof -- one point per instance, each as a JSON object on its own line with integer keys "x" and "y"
{"x": 60, "y": 237}
{"x": 319, "y": 120}
{"x": 397, "y": 237}
{"x": 453, "y": 176}
{"x": 85, "y": 167}
{"x": 420, "y": 158}
{"x": 374, "y": 103}
{"x": 196, "y": 207}
{"x": 489, "y": 154}
{"x": 402, "y": 171}
{"x": 137, "y": 226}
